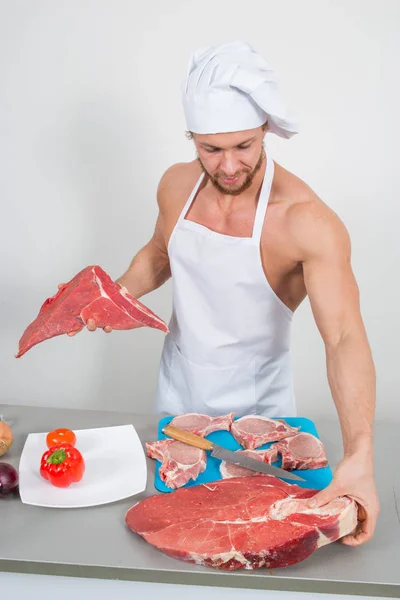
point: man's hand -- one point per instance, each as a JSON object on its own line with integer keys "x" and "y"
{"x": 91, "y": 324}
{"x": 354, "y": 478}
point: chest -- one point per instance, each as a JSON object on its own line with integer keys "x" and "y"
{"x": 281, "y": 270}
{"x": 236, "y": 222}
{"x": 239, "y": 222}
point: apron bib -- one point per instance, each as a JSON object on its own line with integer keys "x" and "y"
{"x": 228, "y": 349}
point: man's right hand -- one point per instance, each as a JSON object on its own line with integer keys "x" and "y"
{"x": 91, "y": 326}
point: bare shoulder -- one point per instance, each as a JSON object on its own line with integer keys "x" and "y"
{"x": 177, "y": 183}
{"x": 314, "y": 228}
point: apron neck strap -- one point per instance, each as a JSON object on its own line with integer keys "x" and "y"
{"x": 263, "y": 200}
{"x": 191, "y": 198}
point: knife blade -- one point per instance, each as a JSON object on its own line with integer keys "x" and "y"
{"x": 242, "y": 460}
{"x": 236, "y": 458}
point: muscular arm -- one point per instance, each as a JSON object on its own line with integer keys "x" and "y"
{"x": 150, "y": 268}
{"x": 333, "y": 292}
{"x": 334, "y": 298}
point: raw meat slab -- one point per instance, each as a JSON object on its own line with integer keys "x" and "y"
{"x": 242, "y": 523}
{"x": 252, "y": 431}
{"x": 91, "y": 294}
{"x": 300, "y": 451}
{"x": 315, "y": 479}
{"x": 202, "y": 425}
{"x": 179, "y": 462}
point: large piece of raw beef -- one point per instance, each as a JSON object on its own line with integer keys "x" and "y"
{"x": 299, "y": 451}
{"x": 91, "y": 294}
{"x": 253, "y": 431}
{"x": 248, "y": 522}
{"x": 202, "y": 424}
{"x": 179, "y": 462}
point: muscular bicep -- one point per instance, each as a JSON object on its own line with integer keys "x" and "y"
{"x": 167, "y": 216}
{"x": 158, "y": 239}
{"x": 330, "y": 282}
{"x": 160, "y": 236}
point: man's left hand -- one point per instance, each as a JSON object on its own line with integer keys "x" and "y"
{"x": 354, "y": 478}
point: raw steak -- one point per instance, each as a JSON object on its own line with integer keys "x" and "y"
{"x": 229, "y": 470}
{"x": 91, "y": 294}
{"x": 202, "y": 424}
{"x": 179, "y": 462}
{"x": 247, "y": 522}
{"x": 300, "y": 451}
{"x": 253, "y": 431}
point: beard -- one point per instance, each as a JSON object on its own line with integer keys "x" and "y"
{"x": 235, "y": 191}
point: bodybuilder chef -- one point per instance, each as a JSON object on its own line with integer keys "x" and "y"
{"x": 245, "y": 241}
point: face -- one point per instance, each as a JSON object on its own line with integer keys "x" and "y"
{"x": 231, "y": 159}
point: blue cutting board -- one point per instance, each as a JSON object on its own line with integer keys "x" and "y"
{"x": 314, "y": 478}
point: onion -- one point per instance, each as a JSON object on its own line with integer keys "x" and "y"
{"x": 6, "y": 437}
{"x": 9, "y": 479}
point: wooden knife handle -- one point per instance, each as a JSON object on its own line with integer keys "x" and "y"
{"x": 187, "y": 438}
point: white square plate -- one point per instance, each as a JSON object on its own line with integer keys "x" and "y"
{"x": 115, "y": 468}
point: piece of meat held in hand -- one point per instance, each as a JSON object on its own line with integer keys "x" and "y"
{"x": 202, "y": 424}
{"x": 299, "y": 451}
{"x": 253, "y": 431}
{"x": 179, "y": 462}
{"x": 241, "y": 523}
{"x": 91, "y": 294}
{"x": 229, "y": 470}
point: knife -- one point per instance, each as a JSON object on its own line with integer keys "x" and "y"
{"x": 230, "y": 456}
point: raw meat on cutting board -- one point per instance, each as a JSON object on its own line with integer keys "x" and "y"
{"x": 229, "y": 470}
{"x": 202, "y": 424}
{"x": 299, "y": 451}
{"x": 91, "y": 294}
{"x": 179, "y": 462}
{"x": 246, "y": 522}
{"x": 253, "y": 431}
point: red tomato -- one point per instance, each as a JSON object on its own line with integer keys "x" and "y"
{"x": 60, "y": 436}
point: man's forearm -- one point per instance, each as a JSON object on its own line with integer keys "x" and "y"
{"x": 148, "y": 271}
{"x": 351, "y": 375}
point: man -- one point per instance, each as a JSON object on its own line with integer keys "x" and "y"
{"x": 245, "y": 241}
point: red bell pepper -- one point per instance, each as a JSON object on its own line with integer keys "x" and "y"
{"x": 62, "y": 465}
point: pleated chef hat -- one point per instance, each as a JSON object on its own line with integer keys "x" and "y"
{"x": 232, "y": 88}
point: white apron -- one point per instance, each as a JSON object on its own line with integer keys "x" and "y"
{"x": 229, "y": 343}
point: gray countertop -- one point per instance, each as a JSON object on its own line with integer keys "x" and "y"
{"x": 95, "y": 542}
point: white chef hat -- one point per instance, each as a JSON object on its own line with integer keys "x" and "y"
{"x": 232, "y": 88}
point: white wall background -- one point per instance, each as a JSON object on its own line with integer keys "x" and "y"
{"x": 90, "y": 117}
